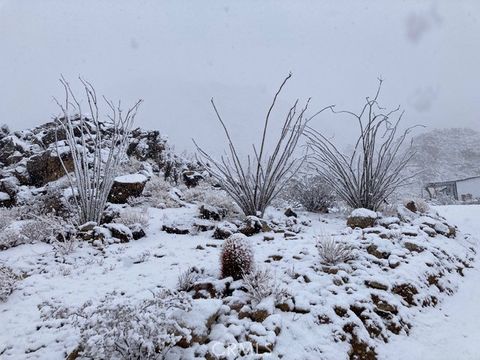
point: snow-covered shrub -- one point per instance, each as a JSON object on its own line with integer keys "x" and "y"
{"x": 389, "y": 209}
{"x": 121, "y": 327}
{"x": 443, "y": 199}
{"x": 310, "y": 192}
{"x": 35, "y": 231}
{"x": 131, "y": 216}
{"x": 8, "y": 281}
{"x": 53, "y": 202}
{"x": 420, "y": 204}
{"x": 65, "y": 245}
{"x": 261, "y": 283}
{"x": 11, "y": 237}
{"x": 204, "y": 193}
{"x": 59, "y": 232}
{"x": 158, "y": 193}
{"x": 130, "y": 166}
{"x": 7, "y": 216}
{"x": 187, "y": 278}
{"x": 236, "y": 258}
{"x": 332, "y": 252}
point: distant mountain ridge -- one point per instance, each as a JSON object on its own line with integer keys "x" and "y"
{"x": 446, "y": 154}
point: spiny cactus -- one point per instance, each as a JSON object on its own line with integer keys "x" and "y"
{"x": 236, "y": 258}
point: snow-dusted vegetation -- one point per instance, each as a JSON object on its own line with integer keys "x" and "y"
{"x": 174, "y": 270}
{"x": 263, "y": 224}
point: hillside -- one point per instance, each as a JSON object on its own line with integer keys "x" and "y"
{"x": 446, "y": 154}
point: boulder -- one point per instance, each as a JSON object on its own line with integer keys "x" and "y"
{"x": 147, "y": 145}
{"x": 191, "y": 178}
{"x": 203, "y": 225}
{"x": 178, "y": 230}
{"x": 12, "y": 149}
{"x": 120, "y": 231}
{"x": 375, "y": 284}
{"x": 362, "y": 218}
{"x": 47, "y": 166}
{"x": 411, "y": 206}
{"x": 407, "y": 292}
{"x": 9, "y": 186}
{"x": 224, "y": 230}
{"x": 373, "y": 250}
{"x": 289, "y": 212}
{"x": 6, "y": 200}
{"x": 137, "y": 231}
{"x": 253, "y": 225}
{"x": 210, "y": 212}
{"x": 127, "y": 186}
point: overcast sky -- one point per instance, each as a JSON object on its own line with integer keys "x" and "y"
{"x": 176, "y": 55}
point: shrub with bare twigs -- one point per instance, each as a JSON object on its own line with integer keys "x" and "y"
{"x": 187, "y": 279}
{"x": 332, "y": 252}
{"x": 131, "y": 216}
{"x": 310, "y": 192}
{"x": 8, "y": 281}
{"x": 158, "y": 193}
{"x": 261, "y": 284}
{"x": 122, "y": 327}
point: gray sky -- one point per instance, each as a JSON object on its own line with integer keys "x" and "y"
{"x": 176, "y": 55}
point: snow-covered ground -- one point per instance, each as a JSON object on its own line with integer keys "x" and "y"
{"x": 452, "y": 330}
{"x": 324, "y": 304}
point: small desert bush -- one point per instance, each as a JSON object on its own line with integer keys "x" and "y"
{"x": 131, "y": 216}
{"x": 120, "y": 327}
{"x": 389, "y": 209}
{"x": 332, "y": 252}
{"x": 310, "y": 192}
{"x": 421, "y": 205}
{"x": 236, "y": 258}
{"x": 11, "y": 237}
{"x": 8, "y": 281}
{"x": 187, "y": 279}
{"x": 158, "y": 193}
{"x": 7, "y": 216}
{"x": 206, "y": 194}
{"x": 47, "y": 228}
{"x": 36, "y": 231}
{"x": 261, "y": 284}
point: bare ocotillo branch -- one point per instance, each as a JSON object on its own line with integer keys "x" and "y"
{"x": 95, "y": 154}
{"x": 375, "y": 168}
{"x": 255, "y": 184}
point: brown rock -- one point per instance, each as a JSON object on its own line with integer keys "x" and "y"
{"x": 127, "y": 186}
{"x": 47, "y": 166}
{"x": 191, "y": 178}
{"x": 407, "y": 292}
{"x": 209, "y": 212}
{"x": 170, "y": 229}
{"x": 361, "y": 218}
{"x": 376, "y": 285}
{"x": 251, "y": 226}
{"x": 411, "y": 206}
{"x": 413, "y": 247}
{"x": 373, "y": 250}
{"x": 224, "y": 230}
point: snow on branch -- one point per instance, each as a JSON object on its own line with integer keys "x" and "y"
{"x": 375, "y": 168}
{"x": 97, "y": 147}
{"x": 255, "y": 184}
